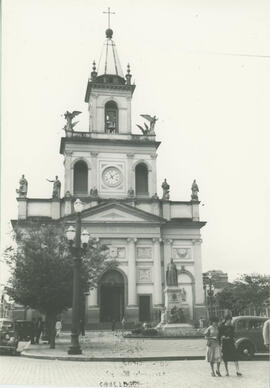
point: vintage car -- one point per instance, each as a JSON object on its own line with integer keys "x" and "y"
{"x": 25, "y": 330}
{"x": 8, "y": 337}
{"x": 248, "y": 335}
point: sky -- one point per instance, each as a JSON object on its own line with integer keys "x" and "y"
{"x": 201, "y": 66}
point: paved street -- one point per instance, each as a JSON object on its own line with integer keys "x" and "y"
{"x": 108, "y": 344}
{"x": 186, "y": 374}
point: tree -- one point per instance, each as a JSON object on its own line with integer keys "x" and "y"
{"x": 42, "y": 270}
{"x": 246, "y": 291}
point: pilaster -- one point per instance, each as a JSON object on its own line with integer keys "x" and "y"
{"x": 131, "y": 172}
{"x": 22, "y": 208}
{"x": 132, "y": 287}
{"x": 157, "y": 273}
{"x": 68, "y": 204}
{"x": 94, "y": 170}
{"x": 199, "y": 295}
{"x": 167, "y": 253}
{"x": 195, "y": 210}
{"x": 55, "y": 208}
{"x": 67, "y": 164}
{"x": 166, "y": 209}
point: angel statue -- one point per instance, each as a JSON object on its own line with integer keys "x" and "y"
{"x": 148, "y": 130}
{"x": 69, "y": 117}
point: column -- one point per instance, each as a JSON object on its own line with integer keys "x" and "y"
{"x": 157, "y": 273}
{"x": 132, "y": 288}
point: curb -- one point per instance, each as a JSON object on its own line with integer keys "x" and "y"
{"x": 113, "y": 359}
{"x": 165, "y": 338}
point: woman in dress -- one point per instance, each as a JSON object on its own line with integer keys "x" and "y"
{"x": 213, "y": 352}
{"x": 228, "y": 349}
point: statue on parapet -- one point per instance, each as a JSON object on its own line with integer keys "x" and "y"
{"x": 171, "y": 274}
{"x": 69, "y": 116}
{"x": 148, "y": 130}
{"x": 94, "y": 192}
{"x": 131, "y": 192}
{"x": 56, "y": 187}
{"x": 22, "y": 190}
{"x": 194, "y": 190}
{"x": 166, "y": 189}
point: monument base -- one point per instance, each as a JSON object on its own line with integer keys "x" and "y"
{"x": 177, "y": 330}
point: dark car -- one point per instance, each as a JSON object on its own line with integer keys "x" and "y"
{"x": 25, "y": 330}
{"x": 8, "y": 336}
{"x": 248, "y": 335}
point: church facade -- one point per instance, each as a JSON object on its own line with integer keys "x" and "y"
{"x": 114, "y": 173}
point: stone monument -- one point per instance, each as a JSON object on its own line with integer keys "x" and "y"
{"x": 175, "y": 315}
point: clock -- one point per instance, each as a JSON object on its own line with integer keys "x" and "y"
{"x": 112, "y": 176}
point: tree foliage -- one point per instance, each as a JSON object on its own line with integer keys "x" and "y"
{"x": 42, "y": 269}
{"x": 248, "y": 291}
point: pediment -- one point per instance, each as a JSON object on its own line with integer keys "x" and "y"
{"x": 112, "y": 215}
{"x": 118, "y": 212}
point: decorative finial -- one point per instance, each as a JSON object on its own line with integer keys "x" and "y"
{"x": 128, "y": 75}
{"x": 109, "y": 33}
{"x": 93, "y": 73}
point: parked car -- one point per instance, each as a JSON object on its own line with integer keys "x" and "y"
{"x": 8, "y": 336}
{"x": 24, "y": 329}
{"x": 248, "y": 335}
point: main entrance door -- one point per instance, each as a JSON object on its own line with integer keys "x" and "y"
{"x": 144, "y": 308}
{"x": 111, "y": 297}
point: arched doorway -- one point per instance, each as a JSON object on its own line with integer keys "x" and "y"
{"x": 112, "y": 296}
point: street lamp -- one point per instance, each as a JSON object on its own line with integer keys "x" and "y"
{"x": 81, "y": 238}
{"x": 208, "y": 291}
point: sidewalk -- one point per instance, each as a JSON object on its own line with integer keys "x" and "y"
{"x": 112, "y": 346}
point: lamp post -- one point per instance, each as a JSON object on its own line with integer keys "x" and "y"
{"x": 208, "y": 291}
{"x": 81, "y": 238}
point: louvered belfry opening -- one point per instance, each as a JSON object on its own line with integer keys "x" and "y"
{"x": 141, "y": 177}
{"x": 111, "y": 117}
{"x": 80, "y": 178}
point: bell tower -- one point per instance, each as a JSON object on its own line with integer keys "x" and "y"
{"x": 108, "y": 160}
{"x": 109, "y": 93}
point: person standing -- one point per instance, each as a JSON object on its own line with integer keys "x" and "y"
{"x": 39, "y": 329}
{"x": 201, "y": 323}
{"x": 33, "y": 331}
{"x": 58, "y": 328}
{"x": 228, "y": 349}
{"x": 266, "y": 333}
{"x": 213, "y": 351}
{"x": 123, "y": 323}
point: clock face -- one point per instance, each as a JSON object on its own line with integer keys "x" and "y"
{"x": 112, "y": 177}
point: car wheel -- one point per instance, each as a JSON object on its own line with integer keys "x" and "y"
{"x": 246, "y": 351}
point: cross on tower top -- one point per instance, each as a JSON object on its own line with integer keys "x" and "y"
{"x": 109, "y": 16}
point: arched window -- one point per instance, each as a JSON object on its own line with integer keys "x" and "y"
{"x": 111, "y": 117}
{"x": 80, "y": 178}
{"x": 141, "y": 179}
